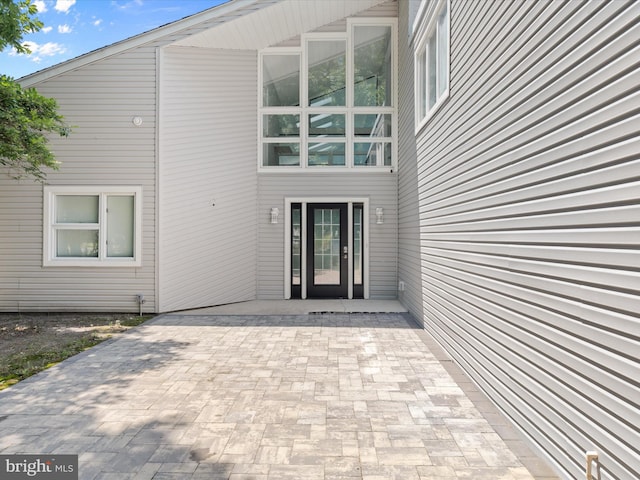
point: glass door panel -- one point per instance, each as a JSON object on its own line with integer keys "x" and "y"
{"x": 327, "y": 250}
{"x": 358, "y": 257}
{"x": 296, "y": 250}
{"x": 327, "y": 246}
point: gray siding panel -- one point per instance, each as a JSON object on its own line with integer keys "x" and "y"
{"x": 409, "y": 266}
{"x": 379, "y": 188}
{"x": 208, "y": 187}
{"x": 105, "y": 148}
{"x": 528, "y": 183}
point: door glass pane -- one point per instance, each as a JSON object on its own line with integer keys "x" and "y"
{"x": 326, "y": 154}
{"x": 357, "y": 245}
{"x": 280, "y": 154}
{"x": 281, "y": 125}
{"x": 372, "y": 125}
{"x": 296, "y": 237}
{"x": 281, "y": 80}
{"x": 372, "y": 65}
{"x": 76, "y": 209}
{"x": 76, "y": 243}
{"x": 327, "y": 252}
{"x": 327, "y": 73}
{"x": 327, "y": 125}
{"x": 120, "y": 226}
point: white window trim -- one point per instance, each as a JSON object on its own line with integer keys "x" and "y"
{"x": 348, "y": 109}
{"x": 49, "y": 258}
{"x": 423, "y": 26}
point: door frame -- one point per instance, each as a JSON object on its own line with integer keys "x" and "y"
{"x": 304, "y": 201}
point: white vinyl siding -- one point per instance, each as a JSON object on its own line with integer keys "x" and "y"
{"x": 99, "y": 100}
{"x": 528, "y": 183}
{"x": 208, "y": 177}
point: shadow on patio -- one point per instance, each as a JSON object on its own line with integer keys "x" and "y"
{"x": 327, "y": 396}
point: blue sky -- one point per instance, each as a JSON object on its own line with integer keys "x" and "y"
{"x": 74, "y": 27}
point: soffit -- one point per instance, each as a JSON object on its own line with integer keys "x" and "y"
{"x": 274, "y": 23}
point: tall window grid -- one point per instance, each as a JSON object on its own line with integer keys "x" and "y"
{"x": 330, "y": 103}
{"x": 432, "y": 52}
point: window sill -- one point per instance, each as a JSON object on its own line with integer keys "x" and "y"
{"x": 91, "y": 262}
{"x": 320, "y": 170}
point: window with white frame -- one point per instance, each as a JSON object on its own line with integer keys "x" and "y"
{"x": 89, "y": 226}
{"x": 330, "y": 103}
{"x": 431, "y": 64}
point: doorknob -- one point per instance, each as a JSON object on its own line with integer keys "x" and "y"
{"x": 345, "y": 252}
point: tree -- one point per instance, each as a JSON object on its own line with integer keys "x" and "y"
{"x": 25, "y": 115}
{"x": 17, "y": 17}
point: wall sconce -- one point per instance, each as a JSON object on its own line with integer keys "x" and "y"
{"x": 379, "y": 216}
{"x": 275, "y": 213}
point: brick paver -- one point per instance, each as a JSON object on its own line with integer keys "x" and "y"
{"x": 331, "y": 396}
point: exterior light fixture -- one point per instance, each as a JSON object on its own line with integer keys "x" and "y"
{"x": 379, "y": 216}
{"x": 275, "y": 213}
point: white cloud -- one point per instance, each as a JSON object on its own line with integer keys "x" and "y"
{"x": 50, "y": 49}
{"x": 97, "y": 22}
{"x": 46, "y": 29}
{"x": 41, "y": 6}
{"x": 63, "y": 6}
{"x": 38, "y": 51}
{"x": 64, "y": 29}
{"x": 127, "y": 5}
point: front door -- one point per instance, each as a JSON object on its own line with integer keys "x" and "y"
{"x": 327, "y": 250}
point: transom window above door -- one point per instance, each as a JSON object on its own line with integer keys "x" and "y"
{"x": 330, "y": 103}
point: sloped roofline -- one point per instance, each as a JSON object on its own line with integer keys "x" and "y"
{"x": 132, "y": 42}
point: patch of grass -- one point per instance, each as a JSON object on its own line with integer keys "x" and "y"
{"x": 34, "y": 344}
{"x": 25, "y": 364}
{"x": 134, "y": 321}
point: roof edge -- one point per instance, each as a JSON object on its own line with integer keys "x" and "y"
{"x": 133, "y": 42}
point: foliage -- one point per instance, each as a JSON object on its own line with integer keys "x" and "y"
{"x": 25, "y": 115}
{"x": 16, "y": 19}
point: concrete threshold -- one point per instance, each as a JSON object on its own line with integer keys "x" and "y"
{"x": 300, "y": 307}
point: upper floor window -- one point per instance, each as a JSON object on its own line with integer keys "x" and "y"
{"x": 90, "y": 226}
{"x": 330, "y": 102}
{"x": 431, "y": 59}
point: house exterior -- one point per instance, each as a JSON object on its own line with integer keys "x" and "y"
{"x": 477, "y": 161}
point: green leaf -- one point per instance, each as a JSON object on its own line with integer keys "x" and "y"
{"x": 26, "y": 117}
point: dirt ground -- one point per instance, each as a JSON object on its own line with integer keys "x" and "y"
{"x": 31, "y": 342}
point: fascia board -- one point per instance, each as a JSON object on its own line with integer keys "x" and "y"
{"x": 135, "y": 41}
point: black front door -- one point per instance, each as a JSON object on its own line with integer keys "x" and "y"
{"x": 327, "y": 250}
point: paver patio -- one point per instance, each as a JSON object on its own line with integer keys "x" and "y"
{"x": 325, "y": 396}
